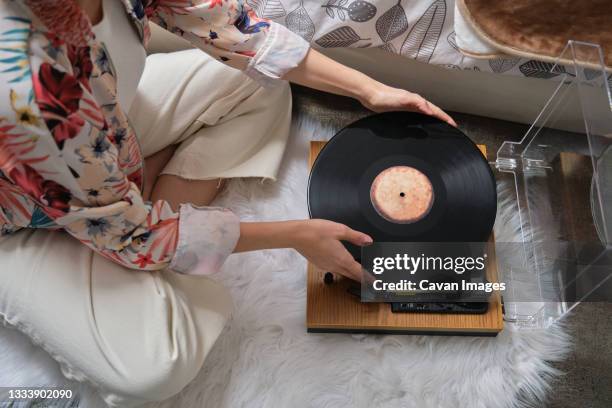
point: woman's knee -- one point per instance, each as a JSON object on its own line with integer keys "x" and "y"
{"x": 157, "y": 379}
{"x": 160, "y": 341}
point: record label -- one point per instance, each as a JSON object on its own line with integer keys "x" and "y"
{"x": 402, "y": 194}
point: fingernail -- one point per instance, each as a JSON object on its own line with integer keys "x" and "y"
{"x": 368, "y": 241}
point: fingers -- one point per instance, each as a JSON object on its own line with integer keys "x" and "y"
{"x": 428, "y": 108}
{"x": 440, "y": 114}
{"x": 351, "y": 269}
{"x": 355, "y": 269}
{"x": 355, "y": 237}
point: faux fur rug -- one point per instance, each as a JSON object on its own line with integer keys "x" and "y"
{"x": 265, "y": 358}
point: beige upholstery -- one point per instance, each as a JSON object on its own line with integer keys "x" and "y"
{"x": 507, "y": 97}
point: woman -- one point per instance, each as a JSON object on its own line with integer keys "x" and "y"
{"x": 75, "y": 93}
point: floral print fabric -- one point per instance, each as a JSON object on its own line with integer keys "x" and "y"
{"x": 69, "y": 158}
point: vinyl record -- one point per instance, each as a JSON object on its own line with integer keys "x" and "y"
{"x": 404, "y": 177}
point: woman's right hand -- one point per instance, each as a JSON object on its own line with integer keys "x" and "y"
{"x": 319, "y": 242}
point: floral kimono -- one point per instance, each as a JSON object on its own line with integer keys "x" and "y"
{"x": 69, "y": 158}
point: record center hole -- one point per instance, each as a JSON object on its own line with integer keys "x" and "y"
{"x": 402, "y": 194}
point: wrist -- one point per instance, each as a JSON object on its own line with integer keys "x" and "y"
{"x": 296, "y": 233}
{"x": 369, "y": 93}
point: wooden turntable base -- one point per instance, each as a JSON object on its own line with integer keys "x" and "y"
{"x": 330, "y": 308}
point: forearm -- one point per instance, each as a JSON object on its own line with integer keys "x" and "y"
{"x": 320, "y": 72}
{"x": 267, "y": 235}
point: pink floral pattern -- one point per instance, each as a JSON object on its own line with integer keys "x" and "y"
{"x": 69, "y": 158}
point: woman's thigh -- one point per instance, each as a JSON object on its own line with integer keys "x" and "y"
{"x": 224, "y": 123}
{"x": 136, "y": 336}
{"x": 178, "y": 88}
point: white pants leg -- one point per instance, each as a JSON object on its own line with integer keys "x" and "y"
{"x": 136, "y": 336}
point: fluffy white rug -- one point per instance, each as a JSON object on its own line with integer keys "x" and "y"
{"x": 265, "y": 358}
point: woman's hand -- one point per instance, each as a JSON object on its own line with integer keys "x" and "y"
{"x": 383, "y": 98}
{"x": 319, "y": 242}
{"x": 320, "y": 72}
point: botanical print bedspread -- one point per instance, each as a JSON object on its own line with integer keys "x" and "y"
{"x": 418, "y": 29}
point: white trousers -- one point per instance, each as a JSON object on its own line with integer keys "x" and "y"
{"x": 224, "y": 123}
{"x": 141, "y": 336}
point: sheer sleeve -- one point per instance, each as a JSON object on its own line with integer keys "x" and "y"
{"x": 230, "y": 31}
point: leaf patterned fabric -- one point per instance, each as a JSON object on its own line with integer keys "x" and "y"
{"x": 392, "y": 23}
{"x": 300, "y": 23}
{"x": 421, "y": 30}
{"x": 421, "y": 41}
{"x": 69, "y": 158}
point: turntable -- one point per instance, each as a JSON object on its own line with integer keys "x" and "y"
{"x": 558, "y": 190}
{"x": 334, "y": 304}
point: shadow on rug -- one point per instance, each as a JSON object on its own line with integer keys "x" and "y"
{"x": 265, "y": 358}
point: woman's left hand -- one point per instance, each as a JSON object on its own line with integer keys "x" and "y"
{"x": 383, "y": 98}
